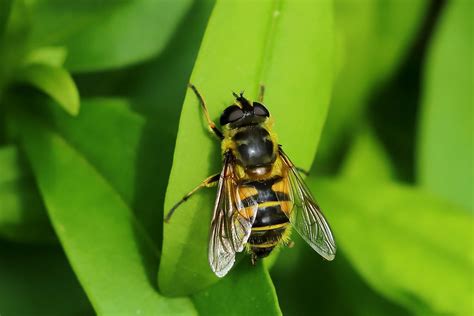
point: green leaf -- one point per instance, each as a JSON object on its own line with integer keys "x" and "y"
{"x": 238, "y": 55}
{"x": 13, "y": 41}
{"x": 367, "y": 159}
{"x": 109, "y": 250}
{"x": 445, "y": 155}
{"x": 110, "y": 34}
{"x": 409, "y": 245}
{"x": 55, "y": 82}
{"x": 126, "y": 150}
{"x": 375, "y": 36}
{"x": 51, "y": 55}
{"x": 5, "y": 7}
{"x": 39, "y": 281}
{"x": 307, "y": 284}
{"x": 245, "y": 291}
{"x": 22, "y": 214}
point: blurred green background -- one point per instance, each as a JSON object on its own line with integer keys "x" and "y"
{"x": 99, "y": 135}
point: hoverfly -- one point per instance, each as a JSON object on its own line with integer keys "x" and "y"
{"x": 260, "y": 194}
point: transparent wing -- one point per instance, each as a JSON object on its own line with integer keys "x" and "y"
{"x": 234, "y": 214}
{"x": 306, "y": 217}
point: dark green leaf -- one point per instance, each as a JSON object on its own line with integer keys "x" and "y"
{"x": 245, "y": 291}
{"x": 38, "y": 281}
{"x": 109, "y": 250}
{"x": 5, "y": 7}
{"x": 13, "y": 42}
{"x": 238, "y": 55}
{"x": 306, "y": 284}
{"x": 55, "y": 82}
{"x": 110, "y": 34}
{"x": 445, "y": 152}
{"x": 22, "y": 214}
{"x": 410, "y": 246}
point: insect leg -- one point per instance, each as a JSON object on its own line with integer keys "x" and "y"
{"x": 208, "y": 182}
{"x": 211, "y": 124}
{"x": 261, "y": 92}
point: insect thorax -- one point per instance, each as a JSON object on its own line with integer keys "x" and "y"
{"x": 254, "y": 146}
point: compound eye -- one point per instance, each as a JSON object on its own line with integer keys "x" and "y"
{"x": 231, "y": 114}
{"x": 260, "y": 110}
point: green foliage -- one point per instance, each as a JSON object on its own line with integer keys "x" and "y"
{"x": 373, "y": 38}
{"x": 99, "y": 137}
{"x": 110, "y": 34}
{"x": 29, "y": 289}
{"x": 95, "y": 253}
{"x": 184, "y": 265}
{"x": 54, "y": 81}
{"x": 248, "y": 284}
{"x": 445, "y": 152}
{"x": 401, "y": 224}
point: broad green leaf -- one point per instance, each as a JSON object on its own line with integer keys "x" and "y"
{"x": 104, "y": 35}
{"x": 237, "y": 55}
{"x": 109, "y": 250}
{"x": 245, "y": 291}
{"x": 375, "y": 35}
{"x": 445, "y": 144}
{"x": 124, "y": 148}
{"x": 22, "y": 214}
{"x": 412, "y": 247}
{"x": 367, "y": 159}
{"x": 55, "y": 82}
{"x": 37, "y": 280}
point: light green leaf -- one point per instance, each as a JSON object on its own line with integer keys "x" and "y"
{"x": 110, "y": 34}
{"x": 39, "y": 281}
{"x": 445, "y": 152}
{"x": 375, "y": 37}
{"x": 50, "y": 55}
{"x": 245, "y": 291}
{"x": 236, "y": 55}
{"x": 108, "y": 249}
{"x": 409, "y": 245}
{"x": 55, "y": 82}
{"x": 22, "y": 214}
{"x": 367, "y": 159}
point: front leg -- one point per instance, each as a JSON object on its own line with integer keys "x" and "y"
{"x": 208, "y": 182}
{"x": 210, "y": 123}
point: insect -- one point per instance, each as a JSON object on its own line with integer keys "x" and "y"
{"x": 260, "y": 193}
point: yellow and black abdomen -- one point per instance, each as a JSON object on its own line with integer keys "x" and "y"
{"x": 271, "y": 222}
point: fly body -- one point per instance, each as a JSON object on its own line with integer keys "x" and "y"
{"x": 261, "y": 194}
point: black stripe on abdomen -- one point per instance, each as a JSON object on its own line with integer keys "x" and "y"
{"x": 265, "y": 192}
{"x": 270, "y": 215}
